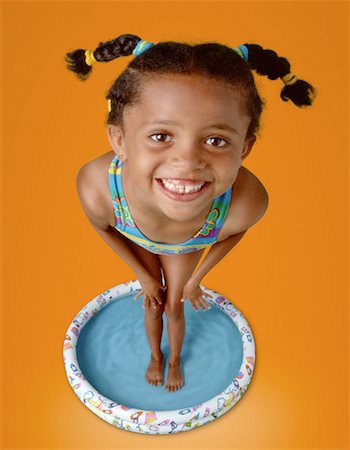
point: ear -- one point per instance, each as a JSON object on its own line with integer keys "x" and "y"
{"x": 117, "y": 140}
{"x": 248, "y": 145}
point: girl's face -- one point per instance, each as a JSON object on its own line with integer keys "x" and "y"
{"x": 187, "y": 133}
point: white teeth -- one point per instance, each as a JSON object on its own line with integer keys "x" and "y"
{"x": 187, "y": 189}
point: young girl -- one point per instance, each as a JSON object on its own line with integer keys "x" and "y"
{"x": 182, "y": 118}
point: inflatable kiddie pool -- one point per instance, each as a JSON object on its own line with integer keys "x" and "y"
{"x": 106, "y": 354}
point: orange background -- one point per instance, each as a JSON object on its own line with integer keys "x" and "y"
{"x": 288, "y": 275}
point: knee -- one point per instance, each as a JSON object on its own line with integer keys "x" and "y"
{"x": 174, "y": 310}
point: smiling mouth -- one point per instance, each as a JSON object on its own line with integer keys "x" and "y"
{"x": 184, "y": 190}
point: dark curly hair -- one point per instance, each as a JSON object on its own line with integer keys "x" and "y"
{"x": 213, "y": 60}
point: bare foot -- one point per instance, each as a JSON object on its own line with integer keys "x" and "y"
{"x": 154, "y": 373}
{"x": 174, "y": 379}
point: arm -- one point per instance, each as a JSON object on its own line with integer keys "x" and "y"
{"x": 215, "y": 254}
{"x": 94, "y": 207}
{"x": 119, "y": 244}
{"x": 192, "y": 289}
{"x": 249, "y": 208}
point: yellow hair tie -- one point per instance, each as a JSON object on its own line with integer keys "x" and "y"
{"x": 290, "y": 78}
{"x": 89, "y": 57}
{"x": 109, "y": 104}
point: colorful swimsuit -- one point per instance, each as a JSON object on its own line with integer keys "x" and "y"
{"x": 125, "y": 224}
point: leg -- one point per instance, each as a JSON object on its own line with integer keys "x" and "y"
{"x": 153, "y": 317}
{"x": 177, "y": 270}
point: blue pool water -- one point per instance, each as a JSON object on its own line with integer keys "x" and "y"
{"x": 113, "y": 353}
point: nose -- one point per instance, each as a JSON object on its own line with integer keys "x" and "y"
{"x": 188, "y": 157}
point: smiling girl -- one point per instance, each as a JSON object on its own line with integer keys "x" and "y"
{"x": 182, "y": 118}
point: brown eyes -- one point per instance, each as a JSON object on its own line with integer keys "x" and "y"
{"x": 218, "y": 139}
{"x": 159, "y": 135}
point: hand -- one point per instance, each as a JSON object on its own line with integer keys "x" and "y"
{"x": 195, "y": 295}
{"x": 150, "y": 290}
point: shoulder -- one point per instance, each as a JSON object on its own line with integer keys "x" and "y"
{"x": 249, "y": 202}
{"x": 93, "y": 191}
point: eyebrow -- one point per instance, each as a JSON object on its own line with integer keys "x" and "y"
{"x": 220, "y": 126}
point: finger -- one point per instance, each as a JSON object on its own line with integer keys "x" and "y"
{"x": 138, "y": 295}
{"x": 182, "y": 300}
{"x": 207, "y": 295}
{"x": 205, "y": 303}
{"x": 145, "y": 302}
{"x": 203, "y": 308}
{"x": 159, "y": 300}
{"x": 154, "y": 303}
{"x": 194, "y": 306}
{"x": 202, "y": 303}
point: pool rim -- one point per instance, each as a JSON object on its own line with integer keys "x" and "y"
{"x": 168, "y": 421}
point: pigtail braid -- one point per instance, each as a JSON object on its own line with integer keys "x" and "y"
{"x": 267, "y": 62}
{"x": 80, "y": 61}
